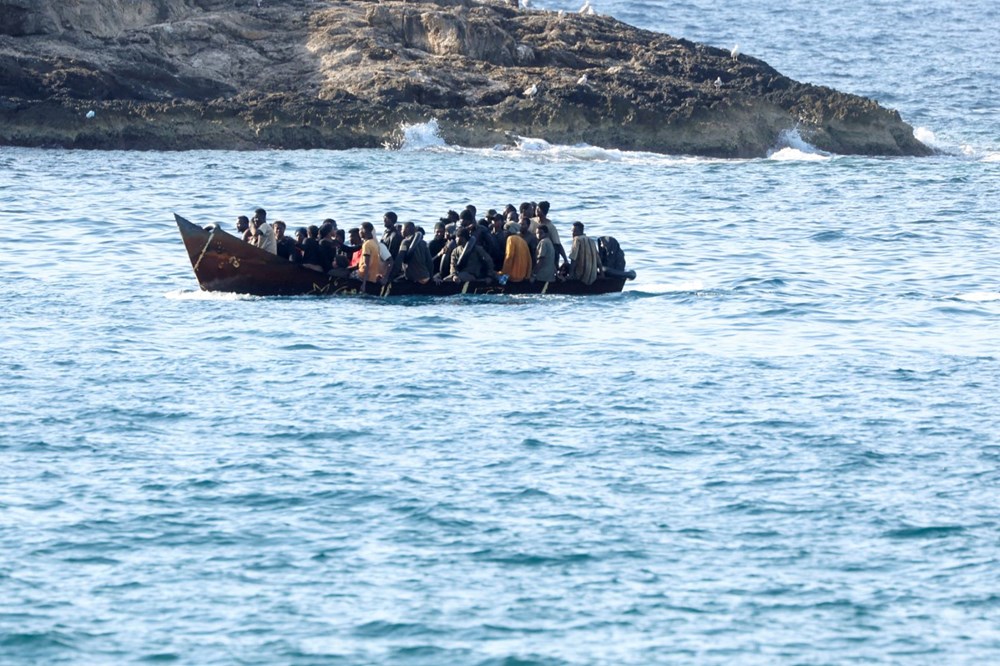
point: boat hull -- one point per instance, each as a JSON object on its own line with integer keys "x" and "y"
{"x": 224, "y": 263}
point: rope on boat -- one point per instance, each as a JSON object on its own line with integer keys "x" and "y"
{"x": 204, "y": 250}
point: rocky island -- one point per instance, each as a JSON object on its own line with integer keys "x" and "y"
{"x": 247, "y": 74}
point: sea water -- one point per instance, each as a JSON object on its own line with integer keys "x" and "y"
{"x": 777, "y": 445}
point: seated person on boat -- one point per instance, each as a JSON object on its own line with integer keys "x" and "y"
{"x": 469, "y": 261}
{"x": 261, "y": 234}
{"x": 415, "y": 255}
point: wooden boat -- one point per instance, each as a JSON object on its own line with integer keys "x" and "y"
{"x": 222, "y": 262}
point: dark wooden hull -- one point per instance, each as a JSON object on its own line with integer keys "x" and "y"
{"x": 222, "y": 262}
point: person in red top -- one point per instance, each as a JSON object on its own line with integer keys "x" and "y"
{"x": 354, "y": 248}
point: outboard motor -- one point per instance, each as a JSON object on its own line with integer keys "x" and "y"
{"x": 613, "y": 258}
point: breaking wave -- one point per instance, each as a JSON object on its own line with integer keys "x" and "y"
{"x": 791, "y": 147}
{"x": 582, "y": 151}
{"x": 927, "y": 137}
{"x": 540, "y": 149}
{"x": 420, "y": 136}
{"x": 427, "y": 136}
{"x": 979, "y": 296}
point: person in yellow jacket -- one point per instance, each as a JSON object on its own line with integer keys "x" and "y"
{"x": 516, "y": 259}
{"x": 371, "y": 267}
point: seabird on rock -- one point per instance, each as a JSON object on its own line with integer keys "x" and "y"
{"x": 718, "y": 82}
{"x": 735, "y": 52}
{"x": 582, "y": 81}
{"x": 531, "y": 91}
{"x": 586, "y": 9}
{"x": 90, "y": 114}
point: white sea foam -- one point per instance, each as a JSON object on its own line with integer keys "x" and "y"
{"x": 426, "y": 136}
{"x": 979, "y": 296}
{"x": 540, "y": 149}
{"x": 528, "y": 144}
{"x": 687, "y": 286}
{"x": 789, "y": 154}
{"x": 940, "y": 145}
{"x": 926, "y": 137}
{"x": 199, "y": 295}
{"x": 581, "y": 151}
{"x": 420, "y": 136}
{"x": 792, "y": 147}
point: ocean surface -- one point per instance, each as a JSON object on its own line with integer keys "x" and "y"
{"x": 779, "y": 445}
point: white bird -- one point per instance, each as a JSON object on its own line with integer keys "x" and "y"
{"x": 561, "y": 13}
{"x": 525, "y": 4}
{"x": 735, "y": 52}
{"x": 718, "y": 82}
{"x": 531, "y": 91}
{"x": 586, "y": 9}
{"x": 582, "y": 81}
{"x": 90, "y": 114}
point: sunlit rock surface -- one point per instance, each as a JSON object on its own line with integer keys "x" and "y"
{"x": 179, "y": 74}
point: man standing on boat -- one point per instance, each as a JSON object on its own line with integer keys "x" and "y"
{"x": 542, "y": 217}
{"x": 529, "y": 237}
{"x": 390, "y": 235}
{"x": 261, "y": 233}
{"x": 545, "y": 257}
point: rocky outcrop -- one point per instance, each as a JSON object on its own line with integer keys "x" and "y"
{"x": 176, "y": 74}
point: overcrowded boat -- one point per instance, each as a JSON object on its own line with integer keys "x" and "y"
{"x": 223, "y": 262}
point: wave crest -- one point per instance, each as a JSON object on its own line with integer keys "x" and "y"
{"x": 790, "y": 146}
{"x": 979, "y": 296}
{"x": 420, "y": 136}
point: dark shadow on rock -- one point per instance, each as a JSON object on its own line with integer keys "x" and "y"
{"x": 313, "y": 73}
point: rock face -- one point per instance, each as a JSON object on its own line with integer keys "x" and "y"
{"x": 179, "y": 74}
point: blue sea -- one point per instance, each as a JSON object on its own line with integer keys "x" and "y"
{"x": 779, "y": 445}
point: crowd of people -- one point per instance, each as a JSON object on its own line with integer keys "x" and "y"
{"x": 513, "y": 245}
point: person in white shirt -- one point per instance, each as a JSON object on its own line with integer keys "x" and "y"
{"x": 261, "y": 233}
